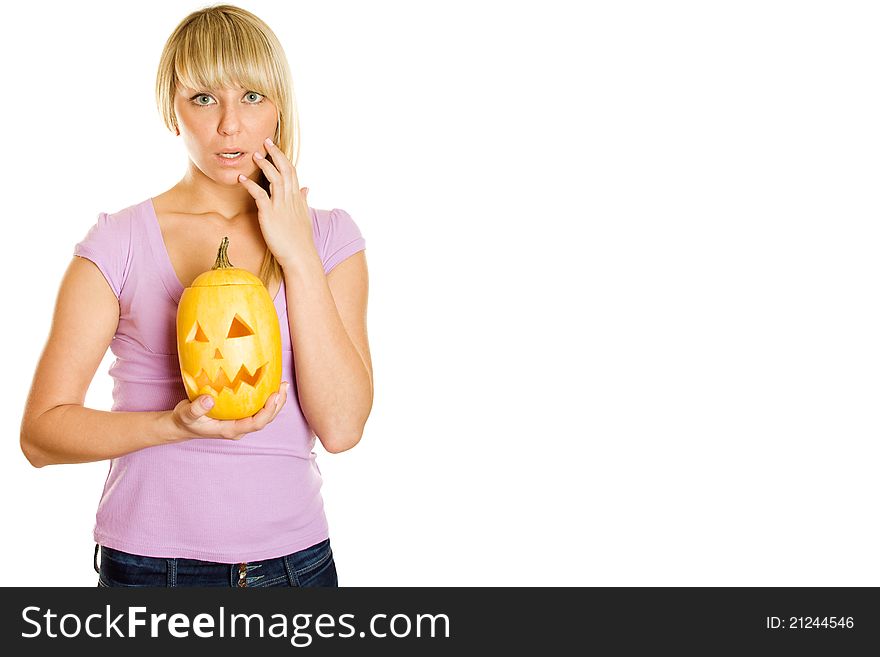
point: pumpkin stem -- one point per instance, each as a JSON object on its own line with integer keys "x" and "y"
{"x": 222, "y": 261}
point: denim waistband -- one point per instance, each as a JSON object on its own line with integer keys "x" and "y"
{"x": 296, "y": 568}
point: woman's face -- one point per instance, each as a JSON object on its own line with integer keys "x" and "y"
{"x": 215, "y": 120}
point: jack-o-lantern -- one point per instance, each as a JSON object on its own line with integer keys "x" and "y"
{"x": 229, "y": 340}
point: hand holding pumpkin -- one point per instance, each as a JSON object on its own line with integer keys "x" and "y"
{"x": 191, "y": 422}
{"x": 284, "y": 216}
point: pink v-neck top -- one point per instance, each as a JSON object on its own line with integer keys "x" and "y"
{"x": 227, "y": 501}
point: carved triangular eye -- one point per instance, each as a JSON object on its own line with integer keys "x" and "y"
{"x": 197, "y": 334}
{"x": 239, "y": 329}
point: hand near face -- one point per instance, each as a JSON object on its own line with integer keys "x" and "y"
{"x": 284, "y": 211}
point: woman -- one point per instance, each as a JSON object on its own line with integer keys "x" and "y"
{"x": 190, "y": 500}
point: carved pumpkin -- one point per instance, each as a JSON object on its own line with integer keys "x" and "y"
{"x": 229, "y": 340}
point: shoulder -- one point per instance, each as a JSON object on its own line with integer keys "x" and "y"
{"x": 336, "y": 234}
{"x": 327, "y": 221}
{"x": 334, "y": 227}
{"x": 113, "y": 227}
{"x": 108, "y": 243}
{"x": 119, "y": 222}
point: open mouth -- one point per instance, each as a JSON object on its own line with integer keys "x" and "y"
{"x": 222, "y": 380}
{"x": 229, "y": 158}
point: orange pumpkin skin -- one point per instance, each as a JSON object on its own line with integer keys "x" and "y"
{"x": 229, "y": 340}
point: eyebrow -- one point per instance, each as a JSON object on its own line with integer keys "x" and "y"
{"x": 188, "y": 89}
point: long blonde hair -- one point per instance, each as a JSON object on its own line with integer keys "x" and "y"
{"x": 223, "y": 46}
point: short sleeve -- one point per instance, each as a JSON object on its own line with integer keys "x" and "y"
{"x": 342, "y": 238}
{"x": 108, "y": 245}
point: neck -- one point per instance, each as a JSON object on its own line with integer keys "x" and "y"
{"x": 206, "y": 196}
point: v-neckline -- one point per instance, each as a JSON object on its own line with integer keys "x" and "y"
{"x": 160, "y": 254}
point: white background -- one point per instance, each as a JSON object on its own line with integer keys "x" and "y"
{"x": 623, "y": 266}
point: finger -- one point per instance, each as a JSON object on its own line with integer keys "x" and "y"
{"x": 257, "y": 421}
{"x": 259, "y": 194}
{"x": 199, "y": 407}
{"x": 269, "y": 170}
{"x": 265, "y": 414}
{"x": 288, "y": 172}
{"x": 241, "y": 427}
{"x": 282, "y": 399}
{"x": 276, "y": 407}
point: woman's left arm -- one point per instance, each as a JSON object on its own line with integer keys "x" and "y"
{"x": 328, "y": 334}
{"x": 326, "y": 314}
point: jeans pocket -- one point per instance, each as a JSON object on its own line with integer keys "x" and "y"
{"x": 314, "y": 566}
{"x": 122, "y": 569}
{"x": 323, "y": 575}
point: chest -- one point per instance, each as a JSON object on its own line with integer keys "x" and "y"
{"x": 192, "y": 245}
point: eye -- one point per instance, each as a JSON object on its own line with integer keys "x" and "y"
{"x": 197, "y": 334}
{"x": 203, "y": 95}
{"x": 239, "y": 329}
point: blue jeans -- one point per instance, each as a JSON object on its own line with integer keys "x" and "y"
{"x": 313, "y": 566}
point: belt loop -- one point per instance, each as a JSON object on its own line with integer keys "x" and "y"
{"x": 291, "y": 574}
{"x": 95, "y": 560}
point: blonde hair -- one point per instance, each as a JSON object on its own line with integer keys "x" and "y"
{"x": 224, "y": 46}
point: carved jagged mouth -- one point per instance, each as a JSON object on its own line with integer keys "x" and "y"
{"x": 222, "y": 381}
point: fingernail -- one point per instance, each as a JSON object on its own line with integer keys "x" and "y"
{"x": 241, "y": 176}
{"x": 269, "y": 141}
{"x": 207, "y": 402}
{"x": 257, "y": 155}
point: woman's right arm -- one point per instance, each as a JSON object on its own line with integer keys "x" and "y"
{"x": 55, "y": 427}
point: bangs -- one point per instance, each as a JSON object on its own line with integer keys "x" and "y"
{"x": 222, "y": 54}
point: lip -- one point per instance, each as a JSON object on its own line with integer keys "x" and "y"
{"x": 229, "y": 162}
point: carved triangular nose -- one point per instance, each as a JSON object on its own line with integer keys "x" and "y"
{"x": 217, "y": 354}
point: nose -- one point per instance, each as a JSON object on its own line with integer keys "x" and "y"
{"x": 229, "y": 122}
{"x": 217, "y": 354}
